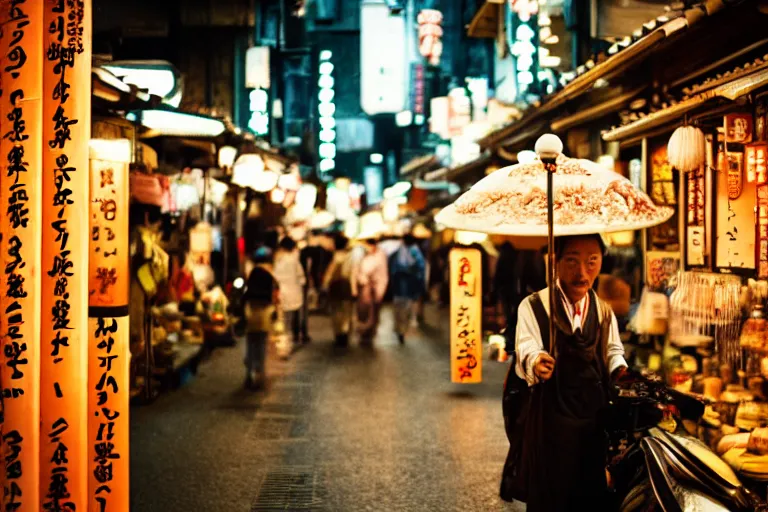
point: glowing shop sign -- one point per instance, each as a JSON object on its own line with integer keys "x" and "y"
{"x": 430, "y": 35}
{"x": 326, "y": 108}
{"x": 525, "y": 9}
{"x": 259, "y": 106}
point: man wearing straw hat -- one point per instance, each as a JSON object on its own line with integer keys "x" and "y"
{"x": 564, "y": 446}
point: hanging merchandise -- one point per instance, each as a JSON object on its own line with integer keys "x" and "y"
{"x": 687, "y": 149}
{"x": 146, "y": 189}
{"x": 705, "y": 308}
{"x": 201, "y": 243}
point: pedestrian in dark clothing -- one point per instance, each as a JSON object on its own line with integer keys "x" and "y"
{"x": 315, "y": 260}
{"x": 406, "y": 276}
{"x": 506, "y": 283}
{"x": 262, "y": 297}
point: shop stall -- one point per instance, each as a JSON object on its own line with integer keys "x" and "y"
{"x": 700, "y": 321}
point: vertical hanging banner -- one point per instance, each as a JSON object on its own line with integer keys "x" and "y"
{"x": 64, "y": 298}
{"x": 20, "y": 205}
{"x": 108, "y": 355}
{"x": 466, "y": 316}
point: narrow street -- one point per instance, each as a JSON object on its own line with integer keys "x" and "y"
{"x": 381, "y": 429}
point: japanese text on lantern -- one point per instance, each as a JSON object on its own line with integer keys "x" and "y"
{"x": 109, "y": 356}
{"x": 22, "y": 37}
{"x": 466, "y": 316}
{"x": 107, "y": 452}
{"x": 109, "y": 279}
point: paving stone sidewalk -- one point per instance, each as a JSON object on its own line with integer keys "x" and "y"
{"x": 379, "y": 429}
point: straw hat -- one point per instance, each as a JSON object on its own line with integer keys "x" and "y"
{"x": 421, "y": 232}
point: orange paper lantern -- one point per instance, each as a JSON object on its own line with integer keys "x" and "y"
{"x": 64, "y": 298}
{"x": 108, "y": 326}
{"x": 20, "y": 203}
{"x": 466, "y": 316}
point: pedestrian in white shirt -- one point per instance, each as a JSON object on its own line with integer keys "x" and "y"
{"x": 372, "y": 282}
{"x": 290, "y": 275}
{"x": 565, "y": 449}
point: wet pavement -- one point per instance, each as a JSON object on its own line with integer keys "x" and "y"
{"x": 379, "y": 429}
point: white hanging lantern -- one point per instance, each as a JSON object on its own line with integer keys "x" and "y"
{"x": 277, "y": 195}
{"x": 306, "y": 197}
{"x": 687, "y": 149}
{"x": 227, "y": 155}
{"x": 246, "y": 168}
{"x": 265, "y": 181}
{"x": 289, "y": 181}
{"x": 321, "y": 219}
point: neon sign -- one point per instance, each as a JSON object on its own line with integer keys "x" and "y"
{"x": 525, "y": 9}
{"x": 430, "y": 35}
{"x": 326, "y": 108}
{"x": 523, "y": 40}
{"x": 259, "y": 121}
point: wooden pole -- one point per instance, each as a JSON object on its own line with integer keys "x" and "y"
{"x": 551, "y": 168}
{"x": 20, "y": 205}
{"x": 108, "y": 326}
{"x": 64, "y": 298}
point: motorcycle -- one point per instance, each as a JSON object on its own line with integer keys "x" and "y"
{"x": 655, "y": 464}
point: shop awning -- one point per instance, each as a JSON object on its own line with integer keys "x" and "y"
{"x": 119, "y": 95}
{"x": 479, "y": 164}
{"x": 436, "y": 175}
{"x": 732, "y": 90}
{"x": 485, "y": 23}
{"x": 274, "y": 160}
{"x": 595, "y": 111}
{"x": 419, "y": 165}
{"x": 608, "y": 69}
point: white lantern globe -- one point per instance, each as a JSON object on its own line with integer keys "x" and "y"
{"x": 687, "y": 149}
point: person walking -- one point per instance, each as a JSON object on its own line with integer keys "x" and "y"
{"x": 315, "y": 260}
{"x": 262, "y": 298}
{"x": 406, "y": 272}
{"x": 506, "y": 284}
{"x": 564, "y": 451}
{"x": 340, "y": 284}
{"x": 372, "y": 282}
{"x": 289, "y": 274}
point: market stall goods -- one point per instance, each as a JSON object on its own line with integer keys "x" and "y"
{"x": 588, "y": 198}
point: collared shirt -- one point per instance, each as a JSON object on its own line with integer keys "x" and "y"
{"x": 529, "y": 345}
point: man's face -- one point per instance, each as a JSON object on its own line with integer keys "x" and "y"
{"x": 579, "y": 266}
